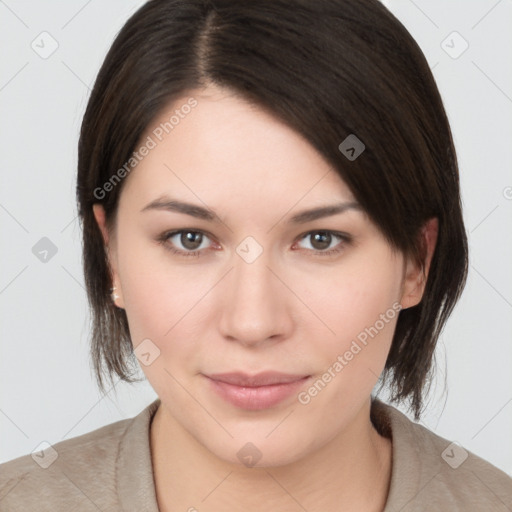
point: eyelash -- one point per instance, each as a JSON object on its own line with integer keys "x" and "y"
{"x": 345, "y": 239}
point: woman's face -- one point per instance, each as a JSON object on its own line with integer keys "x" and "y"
{"x": 252, "y": 289}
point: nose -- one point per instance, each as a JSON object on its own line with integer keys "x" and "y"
{"x": 256, "y": 304}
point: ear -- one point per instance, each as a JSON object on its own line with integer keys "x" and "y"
{"x": 415, "y": 276}
{"x": 99, "y": 215}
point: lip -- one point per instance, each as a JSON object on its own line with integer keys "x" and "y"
{"x": 255, "y": 392}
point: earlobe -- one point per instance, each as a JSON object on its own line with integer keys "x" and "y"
{"x": 116, "y": 293}
{"x": 415, "y": 275}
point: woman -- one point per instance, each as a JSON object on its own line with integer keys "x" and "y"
{"x": 272, "y": 226}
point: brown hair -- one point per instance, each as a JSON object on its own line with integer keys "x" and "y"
{"x": 327, "y": 68}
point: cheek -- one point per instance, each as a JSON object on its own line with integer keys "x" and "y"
{"x": 358, "y": 305}
{"x": 166, "y": 303}
{"x": 161, "y": 306}
{"x": 154, "y": 293}
{"x": 159, "y": 302}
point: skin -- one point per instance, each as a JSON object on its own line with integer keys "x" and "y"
{"x": 292, "y": 310}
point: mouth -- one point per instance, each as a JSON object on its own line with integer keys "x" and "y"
{"x": 255, "y": 392}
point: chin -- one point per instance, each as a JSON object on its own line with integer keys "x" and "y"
{"x": 257, "y": 451}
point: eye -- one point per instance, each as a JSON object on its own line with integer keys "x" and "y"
{"x": 322, "y": 242}
{"x": 185, "y": 242}
{"x": 190, "y": 242}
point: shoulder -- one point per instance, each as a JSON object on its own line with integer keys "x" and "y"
{"x": 62, "y": 475}
{"x": 430, "y": 472}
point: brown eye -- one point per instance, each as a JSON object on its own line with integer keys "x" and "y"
{"x": 321, "y": 240}
{"x": 325, "y": 243}
{"x": 191, "y": 240}
{"x": 185, "y": 242}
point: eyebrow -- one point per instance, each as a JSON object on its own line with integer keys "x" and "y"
{"x": 173, "y": 205}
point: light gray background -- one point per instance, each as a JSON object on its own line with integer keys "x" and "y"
{"x": 47, "y": 389}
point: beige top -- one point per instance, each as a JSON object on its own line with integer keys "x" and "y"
{"x": 109, "y": 469}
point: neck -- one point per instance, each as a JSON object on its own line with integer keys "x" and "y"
{"x": 354, "y": 469}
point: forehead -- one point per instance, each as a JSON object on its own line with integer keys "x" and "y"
{"x": 214, "y": 144}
